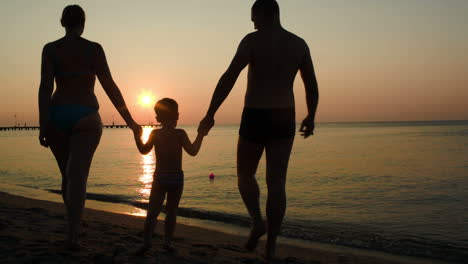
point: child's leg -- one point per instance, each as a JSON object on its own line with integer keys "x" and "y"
{"x": 158, "y": 193}
{"x": 172, "y": 204}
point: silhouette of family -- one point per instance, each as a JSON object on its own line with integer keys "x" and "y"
{"x": 71, "y": 126}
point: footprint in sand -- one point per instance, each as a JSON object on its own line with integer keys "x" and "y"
{"x": 178, "y": 239}
{"x": 60, "y": 217}
{"x": 198, "y": 253}
{"x": 233, "y": 248}
{"x": 36, "y": 210}
{"x": 111, "y": 233}
{"x": 248, "y": 260}
{"x": 9, "y": 240}
{"x": 104, "y": 227}
{"x": 205, "y": 246}
{"x": 345, "y": 259}
{"x": 293, "y": 260}
{"x": 101, "y": 258}
{"x": 131, "y": 239}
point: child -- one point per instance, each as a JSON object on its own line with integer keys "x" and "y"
{"x": 168, "y": 178}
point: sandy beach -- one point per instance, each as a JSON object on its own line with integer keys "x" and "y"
{"x": 32, "y": 231}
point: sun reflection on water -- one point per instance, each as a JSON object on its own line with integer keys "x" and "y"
{"x": 147, "y": 166}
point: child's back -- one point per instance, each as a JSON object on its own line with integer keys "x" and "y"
{"x": 168, "y": 147}
{"x": 168, "y": 177}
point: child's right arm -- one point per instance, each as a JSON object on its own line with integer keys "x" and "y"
{"x": 192, "y": 148}
{"x": 144, "y": 148}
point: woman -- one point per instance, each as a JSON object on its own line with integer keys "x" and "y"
{"x": 69, "y": 120}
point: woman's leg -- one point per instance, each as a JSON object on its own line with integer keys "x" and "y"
{"x": 172, "y": 204}
{"x": 83, "y": 143}
{"x": 59, "y": 144}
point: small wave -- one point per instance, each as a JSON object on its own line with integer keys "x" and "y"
{"x": 109, "y": 198}
{"x": 29, "y": 186}
{"x": 182, "y": 211}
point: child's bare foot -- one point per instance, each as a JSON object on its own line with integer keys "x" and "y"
{"x": 255, "y": 233}
{"x": 143, "y": 250}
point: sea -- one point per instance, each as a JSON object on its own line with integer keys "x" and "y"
{"x": 397, "y": 187}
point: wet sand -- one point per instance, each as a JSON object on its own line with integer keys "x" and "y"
{"x": 33, "y": 231}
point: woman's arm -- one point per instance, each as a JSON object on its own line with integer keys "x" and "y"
{"x": 144, "y": 148}
{"x": 111, "y": 89}
{"x": 191, "y": 148}
{"x": 45, "y": 92}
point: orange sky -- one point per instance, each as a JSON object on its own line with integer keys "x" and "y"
{"x": 375, "y": 60}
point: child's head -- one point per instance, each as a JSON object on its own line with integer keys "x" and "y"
{"x": 167, "y": 112}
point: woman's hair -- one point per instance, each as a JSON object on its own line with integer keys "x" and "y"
{"x": 167, "y": 109}
{"x": 73, "y": 16}
{"x": 267, "y": 8}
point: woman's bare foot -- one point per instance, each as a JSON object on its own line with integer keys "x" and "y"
{"x": 255, "y": 233}
{"x": 168, "y": 246}
{"x": 270, "y": 248}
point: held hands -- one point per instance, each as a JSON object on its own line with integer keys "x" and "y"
{"x": 307, "y": 127}
{"x": 43, "y": 138}
{"x": 205, "y": 125}
{"x": 137, "y": 130}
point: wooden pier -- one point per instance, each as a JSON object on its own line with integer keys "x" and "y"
{"x": 37, "y": 128}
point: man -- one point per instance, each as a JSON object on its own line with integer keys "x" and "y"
{"x": 274, "y": 56}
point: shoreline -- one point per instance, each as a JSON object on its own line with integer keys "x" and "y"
{"x": 33, "y": 230}
{"x": 299, "y": 234}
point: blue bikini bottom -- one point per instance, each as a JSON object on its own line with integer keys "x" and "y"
{"x": 65, "y": 116}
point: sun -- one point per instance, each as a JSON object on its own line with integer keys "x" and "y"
{"x": 146, "y": 100}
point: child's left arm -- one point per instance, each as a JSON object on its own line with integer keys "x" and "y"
{"x": 191, "y": 148}
{"x": 144, "y": 148}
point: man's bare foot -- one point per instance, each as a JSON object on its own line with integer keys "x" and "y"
{"x": 72, "y": 245}
{"x": 255, "y": 233}
{"x": 143, "y": 250}
{"x": 270, "y": 251}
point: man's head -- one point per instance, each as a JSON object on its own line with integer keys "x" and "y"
{"x": 73, "y": 18}
{"x": 265, "y": 12}
{"x": 167, "y": 111}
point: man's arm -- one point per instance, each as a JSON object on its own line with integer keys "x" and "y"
{"x": 45, "y": 92}
{"x": 226, "y": 82}
{"x": 312, "y": 93}
{"x": 111, "y": 89}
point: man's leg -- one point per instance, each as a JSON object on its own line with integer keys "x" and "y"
{"x": 248, "y": 156}
{"x": 277, "y": 158}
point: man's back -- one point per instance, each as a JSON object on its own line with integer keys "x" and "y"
{"x": 275, "y": 58}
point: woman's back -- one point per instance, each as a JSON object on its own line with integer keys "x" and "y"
{"x": 75, "y": 64}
